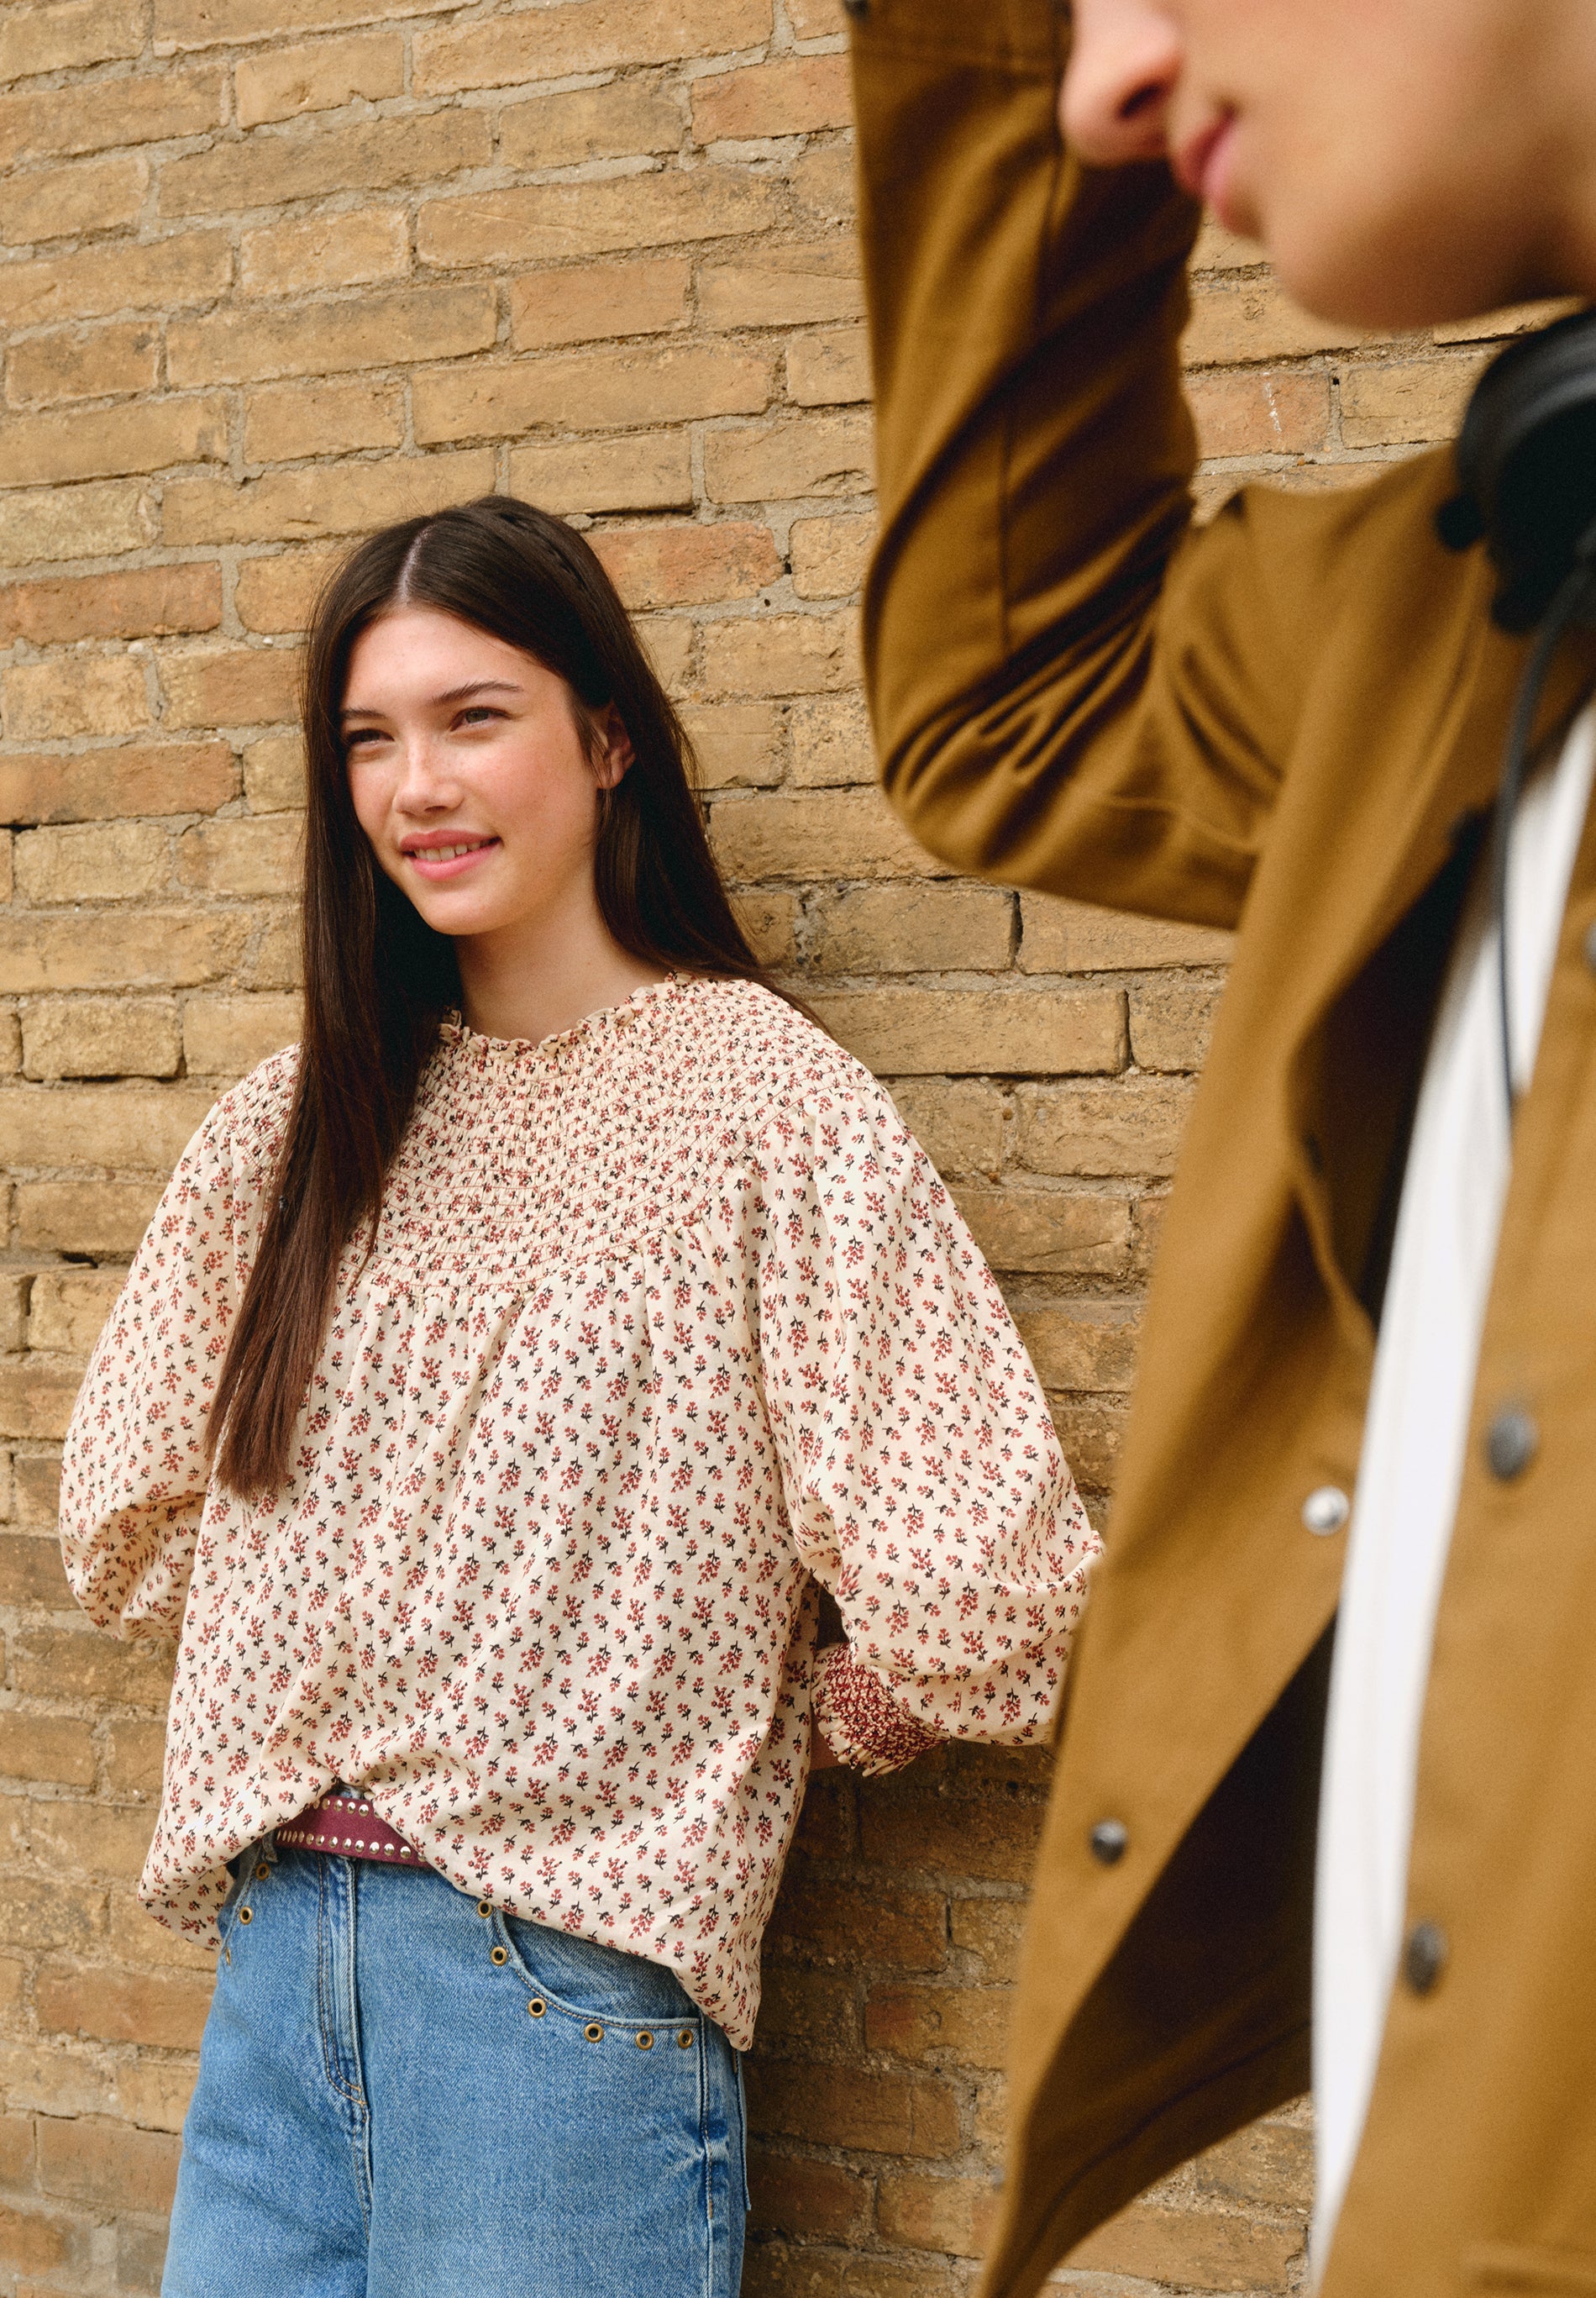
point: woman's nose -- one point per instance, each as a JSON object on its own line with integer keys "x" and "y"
{"x": 424, "y": 782}
{"x": 1125, "y": 58}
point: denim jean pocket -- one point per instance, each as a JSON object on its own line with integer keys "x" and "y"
{"x": 586, "y": 1980}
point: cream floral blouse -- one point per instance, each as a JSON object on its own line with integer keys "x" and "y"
{"x": 668, "y": 1319}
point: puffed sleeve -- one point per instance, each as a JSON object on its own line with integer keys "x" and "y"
{"x": 923, "y": 1482}
{"x": 133, "y": 1474}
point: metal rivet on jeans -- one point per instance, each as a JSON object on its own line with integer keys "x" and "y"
{"x": 246, "y": 1915}
{"x": 262, "y": 1871}
{"x": 592, "y": 2031}
{"x": 499, "y": 1955}
{"x": 536, "y": 2007}
{"x": 684, "y": 2041}
{"x": 645, "y": 2040}
{"x": 483, "y": 1908}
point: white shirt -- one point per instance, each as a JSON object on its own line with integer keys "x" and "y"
{"x": 1412, "y": 1461}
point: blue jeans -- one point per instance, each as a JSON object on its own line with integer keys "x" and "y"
{"x": 405, "y": 2093}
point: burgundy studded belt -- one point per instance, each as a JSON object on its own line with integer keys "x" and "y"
{"x": 344, "y": 1823}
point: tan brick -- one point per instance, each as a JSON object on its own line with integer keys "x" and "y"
{"x": 285, "y": 421}
{"x": 1249, "y": 413}
{"x": 278, "y": 959}
{"x": 821, "y": 2200}
{"x": 958, "y": 1124}
{"x": 74, "y": 364}
{"x": 735, "y": 743}
{"x": 1233, "y": 320}
{"x": 328, "y": 251}
{"x": 651, "y": 470}
{"x": 790, "y": 96}
{"x": 1515, "y": 320}
{"x": 373, "y": 155}
{"x": 247, "y": 857}
{"x": 77, "y": 445}
{"x": 80, "y": 1665}
{"x": 226, "y": 1036}
{"x": 604, "y": 391}
{"x": 163, "y": 2008}
{"x": 829, "y": 2106}
{"x": 157, "y": 778}
{"x": 670, "y": 642}
{"x": 821, "y": 185}
{"x": 830, "y": 555}
{"x": 36, "y": 1475}
{"x": 387, "y": 330}
{"x": 99, "y": 694}
{"x": 1060, "y": 937}
{"x": 238, "y": 686}
{"x": 99, "y": 1037}
{"x": 591, "y": 35}
{"x": 129, "y": 1127}
{"x": 615, "y": 122}
{"x": 1092, "y": 1432}
{"x": 59, "y": 202}
{"x": 14, "y": 1287}
{"x": 969, "y": 2024}
{"x": 92, "y": 522}
{"x": 984, "y": 1840}
{"x": 128, "y": 949}
{"x": 135, "y": 1937}
{"x": 106, "y": 2164}
{"x": 783, "y": 287}
{"x": 54, "y": 1748}
{"x": 912, "y": 929}
{"x": 804, "y": 834}
{"x": 277, "y": 594}
{"x": 37, "y": 1392}
{"x": 64, "y": 34}
{"x": 807, "y": 2011}
{"x": 274, "y": 774}
{"x": 791, "y": 455}
{"x": 181, "y": 24}
{"x": 1406, "y": 404}
{"x": 1170, "y": 1023}
{"x": 1199, "y": 2249}
{"x": 991, "y": 1928}
{"x": 145, "y": 602}
{"x": 855, "y": 1923}
{"x": 1270, "y": 2165}
{"x": 580, "y": 304}
{"x": 1052, "y": 1231}
{"x": 334, "y": 499}
{"x": 67, "y": 1308}
{"x": 80, "y": 1217}
{"x": 150, "y": 108}
{"x": 134, "y": 1753}
{"x": 280, "y": 83}
{"x": 87, "y": 1839}
{"x": 657, "y": 565}
{"x": 784, "y": 654}
{"x": 769, "y": 921}
{"x": 954, "y": 2215}
{"x": 157, "y": 275}
{"x": 922, "y": 1032}
{"x": 31, "y": 1572}
{"x": 831, "y": 742}
{"x": 36, "y": 2241}
{"x": 155, "y": 2094}
{"x": 1080, "y": 1344}
{"x": 546, "y": 223}
{"x": 1132, "y": 1127}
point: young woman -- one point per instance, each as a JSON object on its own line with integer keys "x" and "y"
{"x": 504, "y": 1373}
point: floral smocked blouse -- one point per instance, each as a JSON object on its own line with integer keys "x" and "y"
{"x": 668, "y": 1319}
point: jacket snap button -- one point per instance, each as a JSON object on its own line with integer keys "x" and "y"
{"x": 1424, "y": 1957}
{"x": 1325, "y": 1510}
{"x": 1511, "y": 1442}
{"x": 1108, "y": 1840}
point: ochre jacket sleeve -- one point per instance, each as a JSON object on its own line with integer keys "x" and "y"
{"x": 1070, "y": 688}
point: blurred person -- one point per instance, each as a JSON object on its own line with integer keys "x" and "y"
{"x": 1366, "y": 1380}
{"x": 504, "y": 1372}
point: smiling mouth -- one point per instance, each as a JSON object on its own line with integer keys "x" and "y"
{"x": 447, "y": 857}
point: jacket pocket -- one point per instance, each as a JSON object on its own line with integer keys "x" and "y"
{"x": 1537, "y": 2273}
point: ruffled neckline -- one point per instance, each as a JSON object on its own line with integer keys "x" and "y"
{"x": 604, "y": 1021}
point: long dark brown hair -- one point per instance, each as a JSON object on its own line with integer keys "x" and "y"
{"x": 378, "y": 979}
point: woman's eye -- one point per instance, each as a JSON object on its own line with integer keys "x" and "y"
{"x": 477, "y": 713}
{"x": 360, "y": 738}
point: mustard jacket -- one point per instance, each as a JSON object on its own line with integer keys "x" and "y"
{"x": 1290, "y": 722}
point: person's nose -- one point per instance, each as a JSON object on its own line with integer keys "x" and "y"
{"x": 425, "y": 783}
{"x": 1125, "y": 58}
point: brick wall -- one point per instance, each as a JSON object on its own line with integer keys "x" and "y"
{"x": 272, "y": 271}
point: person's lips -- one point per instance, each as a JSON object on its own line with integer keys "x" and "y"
{"x": 447, "y": 855}
{"x": 1201, "y": 163}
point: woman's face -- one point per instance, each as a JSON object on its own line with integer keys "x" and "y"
{"x": 470, "y": 775}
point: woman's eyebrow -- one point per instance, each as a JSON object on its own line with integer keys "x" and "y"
{"x": 455, "y": 694}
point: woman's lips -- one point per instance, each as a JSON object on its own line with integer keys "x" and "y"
{"x": 445, "y": 859}
{"x": 1202, "y": 164}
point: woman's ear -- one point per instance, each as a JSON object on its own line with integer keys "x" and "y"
{"x": 614, "y": 751}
